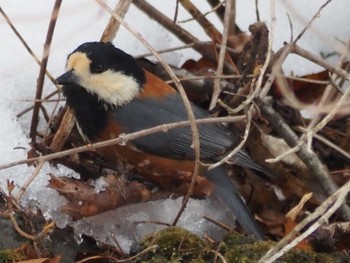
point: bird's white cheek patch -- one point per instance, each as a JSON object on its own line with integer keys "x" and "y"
{"x": 114, "y": 87}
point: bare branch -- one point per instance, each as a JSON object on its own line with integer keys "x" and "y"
{"x": 308, "y": 157}
{"x": 316, "y": 219}
{"x": 43, "y": 65}
{"x": 113, "y": 25}
{"x": 222, "y": 54}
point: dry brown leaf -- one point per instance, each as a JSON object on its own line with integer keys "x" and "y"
{"x": 294, "y": 212}
{"x": 291, "y": 220}
{"x": 307, "y": 92}
{"x": 83, "y": 200}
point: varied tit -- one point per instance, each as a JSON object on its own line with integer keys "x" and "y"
{"x": 110, "y": 94}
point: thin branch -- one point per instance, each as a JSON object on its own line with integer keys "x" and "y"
{"x": 309, "y": 157}
{"x": 318, "y": 218}
{"x": 222, "y": 54}
{"x": 26, "y": 46}
{"x": 295, "y": 49}
{"x": 102, "y": 258}
{"x": 239, "y": 146}
{"x": 166, "y": 22}
{"x": 280, "y": 157}
{"x": 218, "y": 7}
{"x": 257, "y": 13}
{"x": 214, "y": 9}
{"x": 31, "y": 52}
{"x": 317, "y": 15}
{"x": 207, "y": 26}
{"x": 30, "y": 179}
{"x": 204, "y": 49}
{"x": 122, "y": 139}
{"x": 20, "y": 114}
{"x": 113, "y": 25}
{"x": 330, "y": 114}
{"x": 328, "y": 143}
{"x": 268, "y": 55}
{"x": 41, "y": 78}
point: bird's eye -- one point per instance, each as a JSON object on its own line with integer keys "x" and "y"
{"x": 97, "y": 69}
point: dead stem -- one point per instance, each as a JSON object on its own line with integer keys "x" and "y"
{"x": 316, "y": 219}
{"x": 43, "y": 65}
{"x": 222, "y": 54}
{"x": 120, "y": 139}
{"x": 309, "y": 157}
{"x": 113, "y": 25}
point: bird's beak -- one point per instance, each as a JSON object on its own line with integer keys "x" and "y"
{"x": 68, "y": 78}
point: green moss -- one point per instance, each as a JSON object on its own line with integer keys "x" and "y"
{"x": 246, "y": 250}
{"x": 10, "y": 255}
{"x": 177, "y": 245}
{"x": 237, "y": 248}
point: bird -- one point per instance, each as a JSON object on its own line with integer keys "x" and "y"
{"x": 110, "y": 95}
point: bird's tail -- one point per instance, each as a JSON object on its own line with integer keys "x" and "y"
{"x": 228, "y": 195}
{"x": 243, "y": 159}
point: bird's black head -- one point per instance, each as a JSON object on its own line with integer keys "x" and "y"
{"x": 105, "y": 71}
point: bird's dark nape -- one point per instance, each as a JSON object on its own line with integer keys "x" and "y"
{"x": 227, "y": 194}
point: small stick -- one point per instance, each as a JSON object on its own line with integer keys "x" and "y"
{"x": 222, "y": 54}
{"x": 318, "y": 218}
{"x": 43, "y": 65}
{"x": 113, "y": 25}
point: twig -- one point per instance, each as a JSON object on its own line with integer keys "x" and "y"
{"x": 43, "y": 232}
{"x": 321, "y": 215}
{"x": 18, "y": 115}
{"x": 176, "y": 13}
{"x": 19, "y": 230}
{"x": 328, "y": 143}
{"x": 239, "y": 146}
{"x": 43, "y": 65}
{"x": 166, "y": 50}
{"x": 330, "y": 114}
{"x": 113, "y": 25}
{"x": 327, "y": 95}
{"x": 222, "y": 54}
{"x": 122, "y": 139}
{"x": 219, "y": 8}
{"x": 169, "y": 24}
{"x": 26, "y": 46}
{"x": 319, "y": 61}
{"x": 203, "y": 48}
{"x": 30, "y": 179}
{"x": 218, "y": 223}
{"x": 112, "y": 259}
{"x": 257, "y": 13}
{"x": 309, "y": 157}
{"x": 30, "y": 51}
{"x": 214, "y": 9}
{"x": 317, "y": 15}
{"x": 207, "y": 26}
{"x": 268, "y": 55}
{"x": 218, "y": 254}
{"x": 280, "y": 157}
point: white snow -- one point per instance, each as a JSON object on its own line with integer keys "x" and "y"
{"x": 81, "y": 21}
